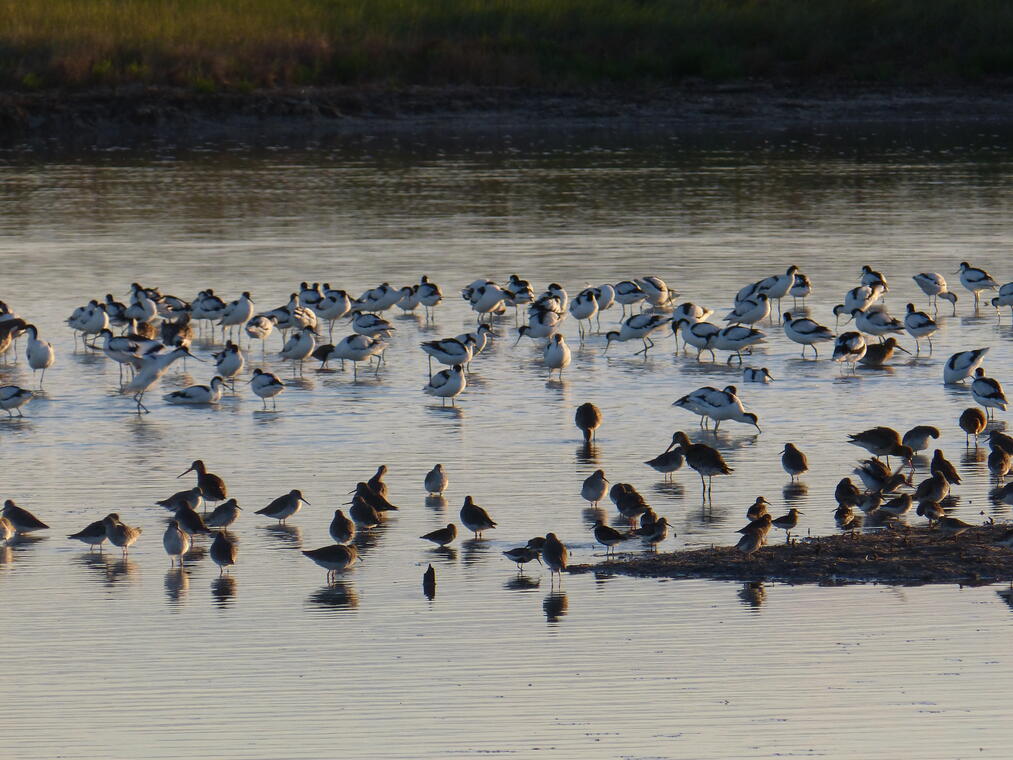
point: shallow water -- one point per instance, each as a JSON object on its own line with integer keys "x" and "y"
{"x": 111, "y": 658}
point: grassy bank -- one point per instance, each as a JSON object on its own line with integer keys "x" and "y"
{"x": 210, "y": 45}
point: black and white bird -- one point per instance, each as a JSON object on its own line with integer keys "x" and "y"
{"x": 806, "y": 331}
{"x": 988, "y": 392}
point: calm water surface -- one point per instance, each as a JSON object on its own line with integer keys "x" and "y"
{"x": 112, "y": 658}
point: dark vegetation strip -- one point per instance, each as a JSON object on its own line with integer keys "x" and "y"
{"x": 213, "y": 45}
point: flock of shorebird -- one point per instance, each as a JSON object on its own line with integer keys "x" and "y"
{"x": 158, "y": 329}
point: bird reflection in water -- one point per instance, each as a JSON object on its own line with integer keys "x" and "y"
{"x": 522, "y": 583}
{"x": 669, "y": 488}
{"x": 285, "y": 535}
{"x": 591, "y": 515}
{"x": 446, "y": 554}
{"x": 335, "y": 596}
{"x": 976, "y": 457}
{"x": 587, "y": 453}
{"x": 752, "y": 594}
{"x": 223, "y": 590}
{"x": 6, "y": 555}
{"x": 196, "y": 554}
{"x": 556, "y": 606}
{"x": 475, "y": 550}
{"x": 429, "y": 583}
{"x": 600, "y": 579}
{"x": 177, "y": 583}
{"x": 794, "y": 493}
{"x": 436, "y": 503}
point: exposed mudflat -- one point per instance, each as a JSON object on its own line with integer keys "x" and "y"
{"x": 137, "y": 114}
{"x": 912, "y": 556}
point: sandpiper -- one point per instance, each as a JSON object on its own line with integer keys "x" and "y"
{"x": 707, "y": 461}
{"x": 554, "y": 554}
{"x": 918, "y": 437}
{"x": 92, "y": 534}
{"x": 364, "y": 514}
{"x": 475, "y": 518}
{"x": 284, "y": 506}
{"x": 935, "y": 488}
{"x": 943, "y": 466}
{"x": 931, "y": 510}
{"x": 442, "y": 536}
{"x": 588, "y": 419}
{"x": 787, "y": 522}
{"x": 999, "y": 463}
{"x": 668, "y": 461}
{"x": 793, "y": 461}
{"x": 847, "y": 493}
{"x": 521, "y": 555}
{"x": 757, "y": 509}
{"x": 22, "y": 520}
{"x": 189, "y": 521}
{"x": 878, "y": 354}
{"x": 223, "y": 551}
{"x": 176, "y": 543}
{"x": 190, "y": 497}
{"x": 223, "y": 515}
{"x": 595, "y": 487}
{"x": 119, "y": 533}
{"x": 334, "y": 558}
{"x": 342, "y": 528}
{"x": 972, "y": 421}
{"x": 436, "y": 481}
{"x": 211, "y": 486}
{"x": 376, "y": 482}
{"x": 607, "y": 536}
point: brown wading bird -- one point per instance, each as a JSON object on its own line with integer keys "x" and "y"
{"x": 918, "y": 437}
{"x": 211, "y": 486}
{"x": 554, "y": 555}
{"x": 707, "y": 461}
{"x": 667, "y": 461}
{"x": 442, "y": 536}
{"x": 972, "y": 422}
{"x": 588, "y": 419}
{"x": 793, "y": 461}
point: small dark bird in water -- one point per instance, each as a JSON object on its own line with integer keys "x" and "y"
{"x": 941, "y": 465}
{"x": 793, "y": 461}
{"x": 378, "y": 502}
{"x": 607, "y": 536}
{"x": 997, "y": 439}
{"x": 972, "y": 422}
{"x": 223, "y": 551}
{"x": 554, "y": 554}
{"x": 429, "y": 583}
{"x": 475, "y": 518}
{"x": 223, "y": 515}
{"x": 211, "y": 486}
{"x": 93, "y": 534}
{"x": 22, "y": 520}
{"x": 918, "y": 437}
{"x": 935, "y": 488}
{"x": 190, "y": 521}
{"x": 376, "y": 482}
{"x": 442, "y": 536}
{"x": 706, "y": 460}
{"x": 190, "y": 497}
{"x": 342, "y": 528}
{"x": 999, "y": 463}
{"x": 878, "y": 354}
{"x": 667, "y": 461}
{"x": 522, "y": 555}
{"x": 588, "y": 419}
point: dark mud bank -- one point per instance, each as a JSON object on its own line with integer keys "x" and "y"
{"x": 137, "y": 115}
{"x": 913, "y": 556}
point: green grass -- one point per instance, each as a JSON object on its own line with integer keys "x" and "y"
{"x": 243, "y": 44}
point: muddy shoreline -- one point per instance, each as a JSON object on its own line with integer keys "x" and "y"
{"x": 135, "y": 115}
{"x": 908, "y": 556}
